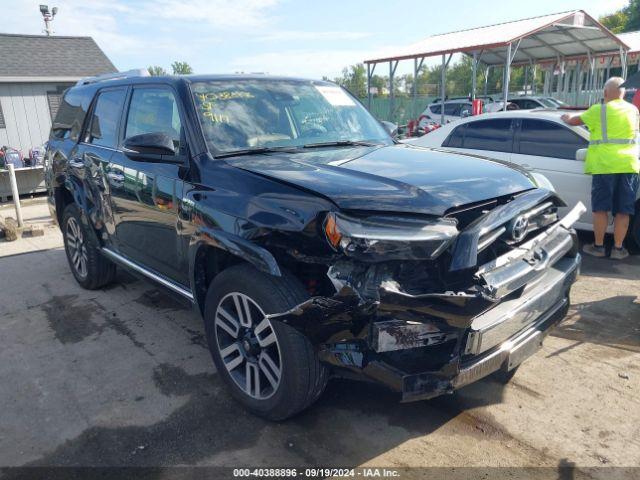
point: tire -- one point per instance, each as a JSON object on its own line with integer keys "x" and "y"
{"x": 290, "y": 377}
{"x": 89, "y": 267}
{"x": 633, "y": 236}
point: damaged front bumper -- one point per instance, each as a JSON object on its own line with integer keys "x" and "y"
{"x": 429, "y": 344}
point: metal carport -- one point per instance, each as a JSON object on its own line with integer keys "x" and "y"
{"x": 559, "y": 37}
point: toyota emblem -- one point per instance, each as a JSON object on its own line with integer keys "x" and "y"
{"x": 519, "y": 227}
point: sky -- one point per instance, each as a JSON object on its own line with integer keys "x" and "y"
{"x": 285, "y": 37}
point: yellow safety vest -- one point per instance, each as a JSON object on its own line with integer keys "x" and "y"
{"x": 614, "y": 143}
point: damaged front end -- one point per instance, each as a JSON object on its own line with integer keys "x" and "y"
{"x": 429, "y": 306}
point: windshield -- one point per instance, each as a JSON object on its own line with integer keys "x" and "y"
{"x": 554, "y": 102}
{"x": 547, "y": 102}
{"x": 256, "y": 114}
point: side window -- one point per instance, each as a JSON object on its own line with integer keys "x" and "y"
{"x": 71, "y": 114}
{"x": 548, "y": 139}
{"x": 153, "y": 110}
{"x": 455, "y": 138}
{"x": 465, "y": 110}
{"x": 436, "y": 109}
{"x": 105, "y": 118}
{"x": 494, "y": 135}
{"x": 452, "y": 108}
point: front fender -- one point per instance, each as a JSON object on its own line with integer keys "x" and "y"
{"x": 237, "y": 246}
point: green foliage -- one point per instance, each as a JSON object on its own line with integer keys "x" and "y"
{"x": 633, "y": 16}
{"x": 156, "y": 71}
{"x": 181, "y": 68}
{"x": 354, "y": 79}
{"x": 616, "y": 22}
{"x": 627, "y": 19}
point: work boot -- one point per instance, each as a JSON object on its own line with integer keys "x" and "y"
{"x": 619, "y": 253}
{"x": 594, "y": 250}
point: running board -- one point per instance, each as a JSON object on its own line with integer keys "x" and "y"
{"x": 116, "y": 257}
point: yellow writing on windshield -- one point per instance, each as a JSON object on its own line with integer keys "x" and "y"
{"x": 227, "y": 95}
{"x": 216, "y": 117}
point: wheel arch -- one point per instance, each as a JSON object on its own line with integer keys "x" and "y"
{"x": 215, "y": 251}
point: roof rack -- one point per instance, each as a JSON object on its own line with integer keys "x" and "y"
{"x": 136, "y": 72}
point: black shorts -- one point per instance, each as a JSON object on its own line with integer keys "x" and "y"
{"x": 614, "y": 192}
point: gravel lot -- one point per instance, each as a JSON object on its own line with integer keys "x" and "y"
{"x": 122, "y": 376}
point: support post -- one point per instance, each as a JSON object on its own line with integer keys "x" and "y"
{"x": 15, "y": 194}
{"x": 369, "y": 87}
{"x": 534, "y": 88}
{"x": 474, "y": 71}
{"x": 623, "y": 62}
{"x": 415, "y": 86}
{"x": 487, "y": 72}
{"x": 391, "y": 95}
{"x": 576, "y": 85}
{"x": 507, "y": 75}
{"x": 443, "y": 78}
{"x": 416, "y": 69}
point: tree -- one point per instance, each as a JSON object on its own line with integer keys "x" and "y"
{"x": 627, "y": 19}
{"x": 616, "y": 21}
{"x": 181, "y": 68}
{"x": 354, "y": 79}
{"x": 156, "y": 71}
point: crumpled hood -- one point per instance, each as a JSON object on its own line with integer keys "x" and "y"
{"x": 395, "y": 178}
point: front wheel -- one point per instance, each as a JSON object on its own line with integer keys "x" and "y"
{"x": 269, "y": 366}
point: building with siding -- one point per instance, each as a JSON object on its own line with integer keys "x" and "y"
{"x": 34, "y": 72}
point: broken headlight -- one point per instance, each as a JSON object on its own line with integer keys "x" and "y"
{"x": 380, "y": 238}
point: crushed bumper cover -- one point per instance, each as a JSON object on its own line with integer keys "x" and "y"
{"x": 521, "y": 296}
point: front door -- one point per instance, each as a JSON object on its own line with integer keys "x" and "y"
{"x": 145, "y": 194}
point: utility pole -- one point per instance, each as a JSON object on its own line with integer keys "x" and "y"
{"x": 48, "y": 18}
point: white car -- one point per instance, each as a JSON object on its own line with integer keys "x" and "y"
{"x": 453, "y": 110}
{"x": 527, "y": 102}
{"x": 537, "y": 140}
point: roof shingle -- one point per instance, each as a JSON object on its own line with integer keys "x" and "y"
{"x": 42, "y": 56}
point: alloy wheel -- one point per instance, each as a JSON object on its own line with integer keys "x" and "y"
{"x": 76, "y": 247}
{"x": 248, "y": 345}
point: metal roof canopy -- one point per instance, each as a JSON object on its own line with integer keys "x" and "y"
{"x": 557, "y": 37}
{"x": 632, "y": 39}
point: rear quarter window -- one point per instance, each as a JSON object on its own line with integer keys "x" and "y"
{"x": 71, "y": 114}
{"x": 455, "y": 138}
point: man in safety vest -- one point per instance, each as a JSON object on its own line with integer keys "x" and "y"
{"x": 612, "y": 159}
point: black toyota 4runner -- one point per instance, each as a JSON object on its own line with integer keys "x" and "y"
{"x": 313, "y": 244}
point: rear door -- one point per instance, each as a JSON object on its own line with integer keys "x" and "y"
{"x": 550, "y": 148}
{"x": 145, "y": 194}
{"x": 491, "y": 137}
{"x": 93, "y": 154}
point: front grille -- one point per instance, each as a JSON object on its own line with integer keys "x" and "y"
{"x": 520, "y": 228}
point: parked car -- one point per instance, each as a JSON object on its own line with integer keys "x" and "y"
{"x": 537, "y": 140}
{"x": 632, "y": 95}
{"x": 312, "y": 243}
{"x": 453, "y": 110}
{"x": 531, "y": 102}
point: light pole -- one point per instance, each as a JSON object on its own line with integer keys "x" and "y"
{"x": 48, "y": 18}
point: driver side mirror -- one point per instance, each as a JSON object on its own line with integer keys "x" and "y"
{"x": 390, "y": 127}
{"x": 581, "y": 154}
{"x": 150, "y": 147}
